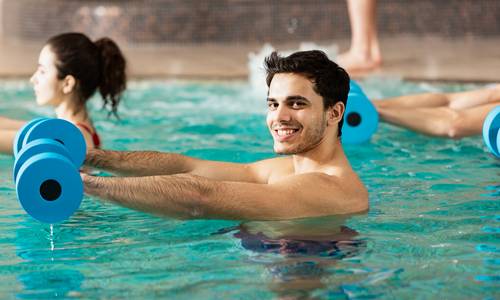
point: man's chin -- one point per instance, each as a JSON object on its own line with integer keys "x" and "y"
{"x": 284, "y": 151}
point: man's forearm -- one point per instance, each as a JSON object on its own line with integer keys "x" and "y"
{"x": 190, "y": 196}
{"x": 138, "y": 163}
{"x": 176, "y": 196}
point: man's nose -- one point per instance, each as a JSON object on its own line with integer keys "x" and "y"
{"x": 282, "y": 113}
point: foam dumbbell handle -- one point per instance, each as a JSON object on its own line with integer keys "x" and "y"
{"x": 36, "y": 147}
{"x": 49, "y": 187}
{"x": 354, "y": 87}
{"x": 61, "y": 131}
{"x": 491, "y": 131}
{"x": 21, "y": 133}
{"x": 360, "y": 119}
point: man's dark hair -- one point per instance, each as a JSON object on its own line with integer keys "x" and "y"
{"x": 329, "y": 80}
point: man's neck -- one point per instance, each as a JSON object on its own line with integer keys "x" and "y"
{"x": 324, "y": 155}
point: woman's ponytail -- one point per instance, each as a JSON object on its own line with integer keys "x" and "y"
{"x": 113, "y": 80}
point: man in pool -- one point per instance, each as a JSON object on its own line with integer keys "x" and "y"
{"x": 306, "y": 103}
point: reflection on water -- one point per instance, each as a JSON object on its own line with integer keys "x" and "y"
{"x": 43, "y": 276}
{"x": 323, "y": 236}
{"x": 51, "y": 284}
{"x": 306, "y": 248}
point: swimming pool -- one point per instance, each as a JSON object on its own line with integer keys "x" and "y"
{"x": 432, "y": 230}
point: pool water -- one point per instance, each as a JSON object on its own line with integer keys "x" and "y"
{"x": 432, "y": 231}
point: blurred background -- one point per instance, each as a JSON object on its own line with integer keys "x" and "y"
{"x": 455, "y": 40}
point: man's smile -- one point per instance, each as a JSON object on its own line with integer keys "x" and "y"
{"x": 283, "y": 134}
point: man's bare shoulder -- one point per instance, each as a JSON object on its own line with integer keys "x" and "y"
{"x": 281, "y": 161}
{"x": 351, "y": 185}
{"x": 340, "y": 194}
{"x": 272, "y": 168}
{"x": 334, "y": 188}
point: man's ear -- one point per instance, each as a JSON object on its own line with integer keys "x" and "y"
{"x": 335, "y": 113}
{"x": 68, "y": 84}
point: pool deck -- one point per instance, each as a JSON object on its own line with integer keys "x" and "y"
{"x": 411, "y": 58}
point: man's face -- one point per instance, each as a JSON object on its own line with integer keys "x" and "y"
{"x": 295, "y": 117}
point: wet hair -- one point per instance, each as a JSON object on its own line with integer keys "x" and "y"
{"x": 98, "y": 64}
{"x": 330, "y": 81}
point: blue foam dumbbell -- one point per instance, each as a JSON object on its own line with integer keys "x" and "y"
{"x": 360, "y": 117}
{"x": 18, "y": 140}
{"x": 491, "y": 131}
{"x": 61, "y": 131}
{"x": 46, "y": 169}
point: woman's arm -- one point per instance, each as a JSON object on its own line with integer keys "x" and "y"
{"x": 440, "y": 121}
{"x": 6, "y": 140}
{"x": 455, "y": 101}
{"x": 11, "y": 124}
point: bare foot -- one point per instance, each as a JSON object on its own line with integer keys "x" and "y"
{"x": 358, "y": 63}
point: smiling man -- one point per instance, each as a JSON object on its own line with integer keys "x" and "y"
{"x": 306, "y": 103}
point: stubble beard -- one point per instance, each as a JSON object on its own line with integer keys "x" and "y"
{"x": 312, "y": 138}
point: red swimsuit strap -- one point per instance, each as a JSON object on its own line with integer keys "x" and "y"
{"x": 95, "y": 137}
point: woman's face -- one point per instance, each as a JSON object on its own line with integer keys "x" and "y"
{"x": 48, "y": 88}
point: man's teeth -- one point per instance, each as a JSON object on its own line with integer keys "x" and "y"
{"x": 285, "y": 132}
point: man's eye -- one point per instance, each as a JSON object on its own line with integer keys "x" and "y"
{"x": 297, "y": 104}
{"x": 272, "y": 105}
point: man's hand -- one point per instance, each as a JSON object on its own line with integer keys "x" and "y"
{"x": 93, "y": 158}
{"x": 90, "y": 184}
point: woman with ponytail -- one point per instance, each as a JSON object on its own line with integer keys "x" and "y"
{"x": 71, "y": 68}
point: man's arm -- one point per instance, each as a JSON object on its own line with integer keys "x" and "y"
{"x": 190, "y": 196}
{"x": 152, "y": 163}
